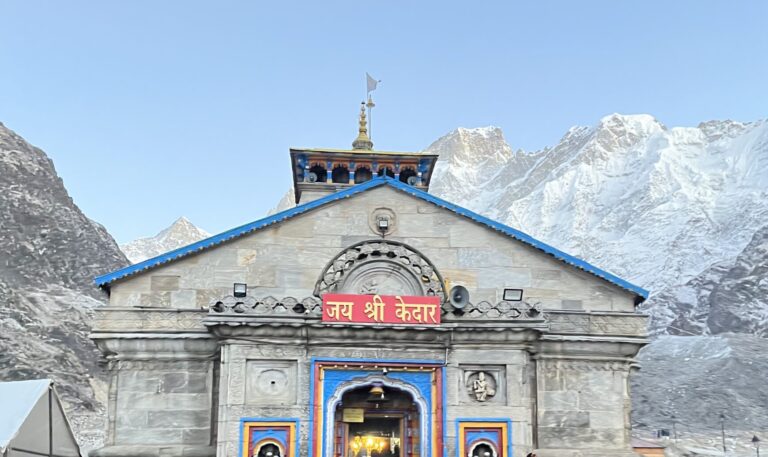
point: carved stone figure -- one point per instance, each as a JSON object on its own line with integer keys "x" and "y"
{"x": 481, "y": 388}
{"x": 370, "y": 287}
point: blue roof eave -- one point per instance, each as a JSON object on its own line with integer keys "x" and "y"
{"x": 106, "y": 279}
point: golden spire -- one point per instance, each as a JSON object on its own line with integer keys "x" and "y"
{"x": 362, "y": 141}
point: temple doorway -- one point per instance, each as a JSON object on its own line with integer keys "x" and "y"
{"x": 377, "y": 421}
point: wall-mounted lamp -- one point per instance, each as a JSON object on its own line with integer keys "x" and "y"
{"x": 240, "y": 290}
{"x": 383, "y": 224}
{"x": 513, "y": 295}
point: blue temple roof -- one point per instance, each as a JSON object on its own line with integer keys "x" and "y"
{"x": 105, "y": 280}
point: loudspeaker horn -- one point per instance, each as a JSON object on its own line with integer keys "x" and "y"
{"x": 459, "y": 297}
{"x": 312, "y": 177}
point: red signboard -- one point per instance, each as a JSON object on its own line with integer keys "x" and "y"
{"x": 381, "y": 309}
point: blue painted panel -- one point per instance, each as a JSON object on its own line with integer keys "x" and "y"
{"x": 508, "y": 421}
{"x": 422, "y": 381}
{"x": 488, "y": 435}
{"x": 491, "y": 436}
{"x": 296, "y": 422}
{"x": 281, "y": 436}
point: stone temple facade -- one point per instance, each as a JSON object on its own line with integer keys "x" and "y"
{"x": 371, "y": 320}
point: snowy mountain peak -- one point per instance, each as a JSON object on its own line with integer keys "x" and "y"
{"x": 474, "y": 145}
{"x": 180, "y": 227}
{"x": 490, "y": 131}
{"x": 622, "y": 132}
{"x": 181, "y": 233}
{"x": 641, "y": 122}
{"x": 715, "y": 130}
{"x": 468, "y": 159}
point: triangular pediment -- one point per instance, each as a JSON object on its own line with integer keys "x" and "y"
{"x": 357, "y": 191}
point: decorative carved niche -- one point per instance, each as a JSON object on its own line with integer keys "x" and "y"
{"x": 482, "y": 384}
{"x": 270, "y": 382}
{"x": 380, "y": 267}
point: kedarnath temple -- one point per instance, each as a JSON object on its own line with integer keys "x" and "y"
{"x": 373, "y": 319}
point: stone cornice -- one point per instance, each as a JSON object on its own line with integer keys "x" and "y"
{"x": 155, "y": 320}
{"x": 270, "y": 315}
{"x": 597, "y": 323}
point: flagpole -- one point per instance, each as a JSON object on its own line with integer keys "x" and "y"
{"x": 370, "y": 104}
{"x": 370, "y": 119}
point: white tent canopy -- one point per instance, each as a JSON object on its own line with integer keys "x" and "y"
{"x": 32, "y": 421}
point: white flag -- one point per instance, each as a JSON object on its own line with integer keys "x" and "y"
{"x": 372, "y": 83}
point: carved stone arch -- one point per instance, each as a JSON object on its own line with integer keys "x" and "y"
{"x": 380, "y": 267}
{"x": 257, "y": 448}
{"x": 483, "y": 442}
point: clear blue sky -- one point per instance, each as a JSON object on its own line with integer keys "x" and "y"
{"x": 156, "y": 109}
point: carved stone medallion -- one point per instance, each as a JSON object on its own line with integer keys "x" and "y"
{"x": 380, "y": 267}
{"x": 270, "y": 382}
{"x": 481, "y": 386}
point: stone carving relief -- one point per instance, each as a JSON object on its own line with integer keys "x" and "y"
{"x": 268, "y": 351}
{"x": 378, "y": 353}
{"x": 380, "y": 267}
{"x": 482, "y": 386}
{"x": 584, "y": 366}
{"x": 123, "y": 320}
{"x": 370, "y": 287}
{"x": 268, "y": 306}
{"x": 598, "y": 324}
{"x": 163, "y": 365}
{"x": 235, "y": 384}
{"x": 503, "y": 310}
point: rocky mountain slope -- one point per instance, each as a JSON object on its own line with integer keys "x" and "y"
{"x": 729, "y": 296}
{"x": 686, "y": 382}
{"x": 181, "y": 233}
{"x": 49, "y": 253}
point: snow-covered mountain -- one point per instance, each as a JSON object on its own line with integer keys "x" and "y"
{"x": 49, "y": 253}
{"x": 181, "y": 233}
{"x": 680, "y": 211}
{"x": 655, "y": 205}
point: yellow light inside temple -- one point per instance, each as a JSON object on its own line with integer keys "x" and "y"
{"x": 369, "y": 442}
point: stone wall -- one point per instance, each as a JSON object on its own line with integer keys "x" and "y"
{"x": 582, "y": 395}
{"x": 161, "y": 394}
{"x": 164, "y": 403}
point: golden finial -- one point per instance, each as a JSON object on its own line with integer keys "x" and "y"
{"x": 362, "y": 141}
